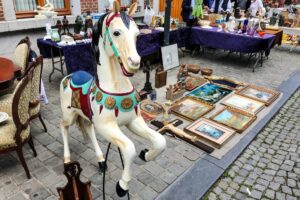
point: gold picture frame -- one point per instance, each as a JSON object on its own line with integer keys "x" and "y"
{"x": 234, "y": 118}
{"x": 191, "y": 108}
{"x": 267, "y": 96}
{"x": 210, "y": 132}
{"x": 243, "y": 103}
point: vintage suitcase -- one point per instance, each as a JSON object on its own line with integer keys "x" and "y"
{"x": 160, "y": 78}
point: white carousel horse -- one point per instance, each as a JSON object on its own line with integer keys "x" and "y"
{"x": 110, "y": 101}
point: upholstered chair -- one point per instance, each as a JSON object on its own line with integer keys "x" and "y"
{"x": 21, "y": 56}
{"x": 15, "y": 132}
{"x": 35, "y": 105}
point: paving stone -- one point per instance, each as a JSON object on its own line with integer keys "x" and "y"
{"x": 270, "y": 194}
{"x": 259, "y": 187}
{"x": 286, "y": 189}
{"x": 262, "y": 182}
{"x": 153, "y": 168}
{"x": 274, "y": 186}
{"x": 291, "y": 183}
{"x": 289, "y": 197}
{"x": 147, "y": 193}
{"x": 256, "y": 194}
{"x": 167, "y": 177}
{"x": 296, "y": 192}
{"x": 280, "y": 196}
{"x": 18, "y": 196}
{"x": 279, "y": 180}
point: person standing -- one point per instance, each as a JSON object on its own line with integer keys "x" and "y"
{"x": 221, "y": 6}
{"x": 186, "y": 12}
{"x": 256, "y": 8}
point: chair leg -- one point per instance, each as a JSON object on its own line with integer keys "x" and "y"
{"x": 21, "y": 157}
{"x": 31, "y": 144}
{"x": 41, "y": 120}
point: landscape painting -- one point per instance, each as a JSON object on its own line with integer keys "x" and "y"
{"x": 210, "y": 93}
{"x": 244, "y": 103}
{"x": 191, "y": 109}
{"x": 261, "y": 94}
{"x": 234, "y": 118}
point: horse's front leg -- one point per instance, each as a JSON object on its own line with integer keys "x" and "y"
{"x": 139, "y": 127}
{"x": 112, "y": 133}
{"x": 89, "y": 129}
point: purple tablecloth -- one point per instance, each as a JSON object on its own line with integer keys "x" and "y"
{"x": 231, "y": 41}
{"x": 77, "y": 57}
{"x": 80, "y": 56}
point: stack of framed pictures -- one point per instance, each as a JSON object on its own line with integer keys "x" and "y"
{"x": 150, "y": 110}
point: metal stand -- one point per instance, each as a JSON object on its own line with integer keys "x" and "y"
{"x": 106, "y": 156}
{"x": 148, "y": 87}
{"x": 61, "y": 61}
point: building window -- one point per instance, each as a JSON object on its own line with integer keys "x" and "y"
{"x": 25, "y": 8}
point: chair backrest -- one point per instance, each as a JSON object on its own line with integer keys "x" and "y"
{"x": 20, "y": 104}
{"x": 21, "y": 56}
{"x": 37, "y": 67}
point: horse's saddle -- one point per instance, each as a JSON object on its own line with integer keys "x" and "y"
{"x": 80, "y": 83}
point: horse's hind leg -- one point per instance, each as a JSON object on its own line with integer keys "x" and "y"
{"x": 113, "y": 134}
{"x": 89, "y": 129}
{"x": 139, "y": 127}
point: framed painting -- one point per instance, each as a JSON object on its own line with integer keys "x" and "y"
{"x": 190, "y": 108}
{"x": 244, "y": 103}
{"x": 234, "y": 118}
{"x": 210, "y": 93}
{"x": 170, "y": 56}
{"x": 210, "y": 132}
{"x": 225, "y": 82}
{"x": 151, "y": 107}
{"x": 193, "y": 82}
{"x": 261, "y": 94}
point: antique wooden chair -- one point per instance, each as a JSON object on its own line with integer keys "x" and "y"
{"x": 21, "y": 56}
{"x": 35, "y": 104}
{"x": 16, "y": 131}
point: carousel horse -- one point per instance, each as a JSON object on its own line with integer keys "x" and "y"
{"x": 108, "y": 101}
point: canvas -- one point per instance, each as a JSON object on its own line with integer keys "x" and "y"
{"x": 244, "y": 103}
{"x": 261, "y": 94}
{"x": 210, "y": 132}
{"x": 233, "y": 118}
{"x": 210, "y": 93}
{"x": 191, "y": 109}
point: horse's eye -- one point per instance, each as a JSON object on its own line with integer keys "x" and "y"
{"x": 117, "y": 33}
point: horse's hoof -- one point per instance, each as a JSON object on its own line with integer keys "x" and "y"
{"x": 120, "y": 191}
{"x": 102, "y": 166}
{"x": 143, "y": 154}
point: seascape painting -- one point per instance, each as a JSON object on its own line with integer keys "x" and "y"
{"x": 233, "y": 119}
{"x": 210, "y": 93}
{"x": 261, "y": 95}
{"x": 210, "y": 131}
{"x": 244, "y": 104}
{"x": 191, "y": 109}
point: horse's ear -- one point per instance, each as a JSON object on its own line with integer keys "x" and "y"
{"x": 116, "y": 7}
{"x": 132, "y": 9}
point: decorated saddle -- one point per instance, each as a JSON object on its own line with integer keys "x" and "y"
{"x": 83, "y": 85}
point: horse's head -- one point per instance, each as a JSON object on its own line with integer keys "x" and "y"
{"x": 119, "y": 32}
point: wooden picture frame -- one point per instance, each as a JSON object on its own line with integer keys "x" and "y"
{"x": 239, "y": 124}
{"x": 150, "y": 107}
{"x": 210, "y": 93}
{"x": 274, "y": 94}
{"x": 211, "y": 132}
{"x": 225, "y": 82}
{"x": 190, "y": 108}
{"x": 243, "y": 103}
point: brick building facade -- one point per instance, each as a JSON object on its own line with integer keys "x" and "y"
{"x": 89, "y": 5}
{"x": 1, "y": 11}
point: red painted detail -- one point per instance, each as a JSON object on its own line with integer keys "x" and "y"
{"x": 116, "y": 111}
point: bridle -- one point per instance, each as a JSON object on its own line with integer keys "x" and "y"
{"x": 107, "y": 36}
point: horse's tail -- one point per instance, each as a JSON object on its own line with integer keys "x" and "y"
{"x": 82, "y": 124}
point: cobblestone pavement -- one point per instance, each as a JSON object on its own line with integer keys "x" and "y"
{"x": 270, "y": 166}
{"x": 149, "y": 179}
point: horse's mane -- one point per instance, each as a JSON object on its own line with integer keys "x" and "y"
{"x": 97, "y": 32}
